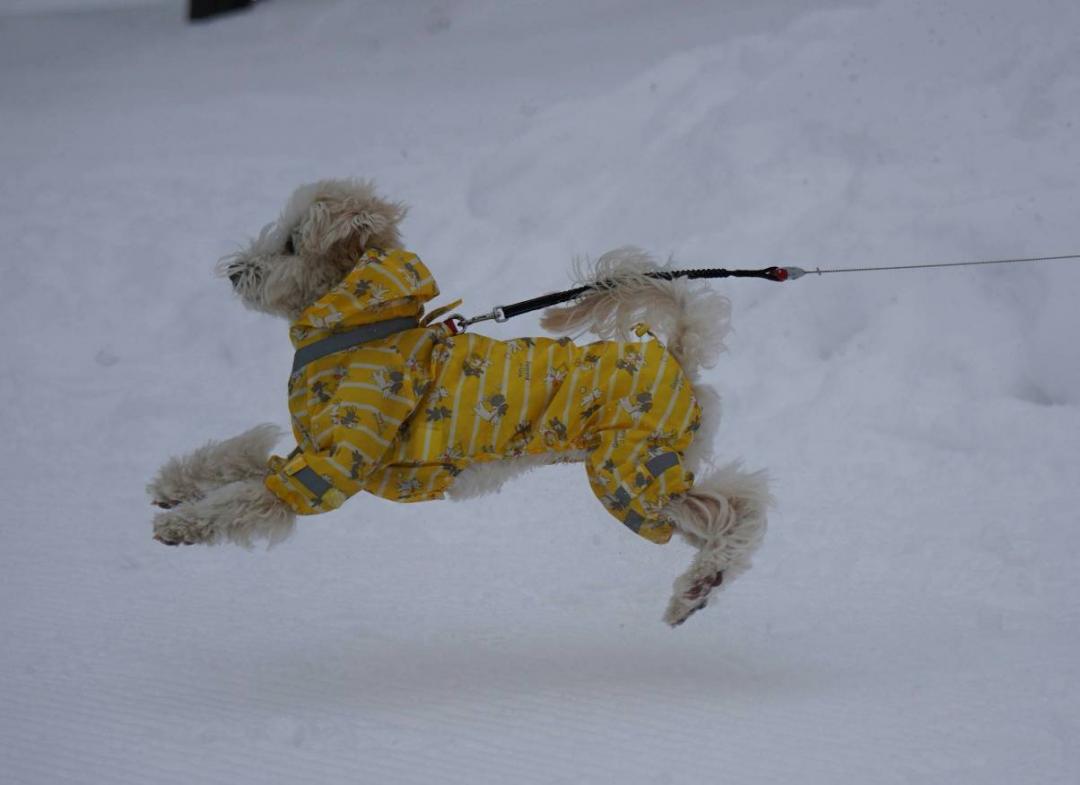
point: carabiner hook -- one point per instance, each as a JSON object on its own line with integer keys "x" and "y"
{"x": 460, "y": 323}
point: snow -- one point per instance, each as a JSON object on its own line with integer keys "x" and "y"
{"x": 40, "y": 6}
{"x": 913, "y": 615}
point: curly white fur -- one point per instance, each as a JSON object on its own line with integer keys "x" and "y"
{"x": 692, "y": 320}
{"x": 297, "y": 259}
{"x": 240, "y": 512}
{"x": 329, "y": 212}
{"x": 724, "y": 517}
{"x": 214, "y": 464}
{"x": 481, "y": 479}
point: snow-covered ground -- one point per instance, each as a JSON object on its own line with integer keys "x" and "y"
{"x": 913, "y": 616}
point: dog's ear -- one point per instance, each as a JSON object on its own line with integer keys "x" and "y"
{"x": 332, "y": 212}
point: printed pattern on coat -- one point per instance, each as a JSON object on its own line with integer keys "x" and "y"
{"x": 402, "y": 416}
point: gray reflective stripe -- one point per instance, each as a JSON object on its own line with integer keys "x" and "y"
{"x": 350, "y": 338}
{"x": 661, "y": 463}
{"x": 656, "y": 466}
{"x": 313, "y": 482}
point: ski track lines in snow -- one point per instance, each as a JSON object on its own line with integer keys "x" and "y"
{"x": 912, "y": 617}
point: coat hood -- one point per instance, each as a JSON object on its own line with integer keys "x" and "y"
{"x": 383, "y": 285}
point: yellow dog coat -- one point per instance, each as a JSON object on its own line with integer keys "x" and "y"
{"x": 401, "y": 416}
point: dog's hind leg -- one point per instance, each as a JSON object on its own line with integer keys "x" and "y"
{"x": 191, "y": 477}
{"x": 241, "y": 512}
{"x": 724, "y": 517}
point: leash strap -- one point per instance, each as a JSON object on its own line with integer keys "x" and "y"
{"x": 778, "y": 274}
{"x": 547, "y": 300}
{"x": 504, "y": 312}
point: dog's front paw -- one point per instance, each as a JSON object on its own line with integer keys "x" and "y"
{"x": 179, "y": 527}
{"x": 171, "y": 485}
{"x": 241, "y": 512}
{"x": 163, "y": 538}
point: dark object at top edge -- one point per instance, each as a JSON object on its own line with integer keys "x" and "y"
{"x": 205, "y": 9}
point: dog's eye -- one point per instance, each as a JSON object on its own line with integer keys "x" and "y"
{"x": 289, "y": 247}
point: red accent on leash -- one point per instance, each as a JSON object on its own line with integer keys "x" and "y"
{"x": 452, "y": 326}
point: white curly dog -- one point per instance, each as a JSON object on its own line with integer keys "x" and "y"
{"x": 219, "y": 492}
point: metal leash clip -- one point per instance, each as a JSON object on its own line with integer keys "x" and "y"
{"x": 460, "y": 323}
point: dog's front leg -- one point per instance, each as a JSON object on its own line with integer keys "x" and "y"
{"x": 191, "y": 477}
{"x": 241, "y": 512}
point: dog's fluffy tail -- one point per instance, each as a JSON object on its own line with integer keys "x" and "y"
{"x": 691, "y": 319}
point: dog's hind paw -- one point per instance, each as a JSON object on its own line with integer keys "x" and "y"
{"x": 692, "y": 598}
{"x": 699, "y": 589}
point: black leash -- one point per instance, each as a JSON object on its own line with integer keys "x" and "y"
{"x": 779, "y": 274}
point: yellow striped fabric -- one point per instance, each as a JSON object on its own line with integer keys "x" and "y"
{"x": 401, "y": 417}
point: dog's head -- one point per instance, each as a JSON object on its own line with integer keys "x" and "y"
{"x": 316, "y": 241}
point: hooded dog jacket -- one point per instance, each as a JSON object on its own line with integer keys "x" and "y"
{"x": 403, "y": 415}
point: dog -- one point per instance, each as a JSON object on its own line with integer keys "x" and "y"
{"x": 387, "y": 399}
